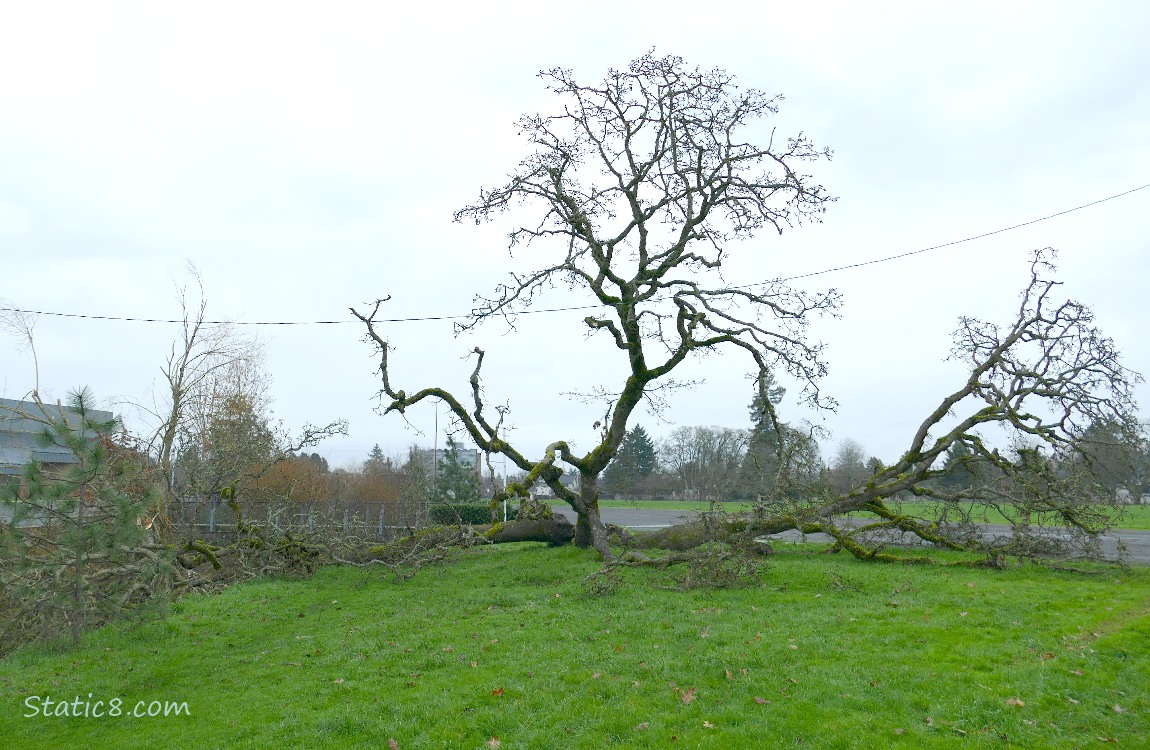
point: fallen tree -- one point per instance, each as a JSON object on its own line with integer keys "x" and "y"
{"x": 1044, "y": 383}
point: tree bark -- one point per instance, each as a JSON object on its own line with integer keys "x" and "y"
{"x": 589, "y": 529}
{"x": 556, "y": 531}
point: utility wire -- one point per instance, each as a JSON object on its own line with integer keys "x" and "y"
{"x": 959, "y": 242}
{"x": 583, "y": 307}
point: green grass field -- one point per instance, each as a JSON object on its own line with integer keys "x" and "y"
{"x": 1128, "y": 517}
{"x": 505, "y": 647}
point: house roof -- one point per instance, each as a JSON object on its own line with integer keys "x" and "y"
{"x": 21, "y": 428}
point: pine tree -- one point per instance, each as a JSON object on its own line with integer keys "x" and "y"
{"x": 76, "y": 545}
{"x": 376, "y": 462}
{"x": 456, "y": 483}
{"x": 761, "y": 463}
{"x": 960, "y": 467}
{"x": 634, "y": 461}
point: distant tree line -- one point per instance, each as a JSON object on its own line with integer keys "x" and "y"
{"x": 731, "y": 464}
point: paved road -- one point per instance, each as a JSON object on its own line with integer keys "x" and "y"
{"x": 1137, "y": 543}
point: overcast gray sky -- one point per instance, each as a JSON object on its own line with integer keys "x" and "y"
{"x": 308, "y": 158}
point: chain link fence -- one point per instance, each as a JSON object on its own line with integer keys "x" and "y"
{"x": 214, "y": 520}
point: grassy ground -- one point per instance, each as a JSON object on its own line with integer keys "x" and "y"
{"x": 1128, "y": 517}
{"x": 507, "y": 648}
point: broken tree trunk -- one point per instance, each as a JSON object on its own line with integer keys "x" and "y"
{"x": 555, "y": 530}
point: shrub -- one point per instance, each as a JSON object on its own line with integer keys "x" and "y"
{"x": 471, "y": 513}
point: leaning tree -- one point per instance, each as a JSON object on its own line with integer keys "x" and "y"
{"x": 642, "y": 182}
{"x": 1019, "y": 427}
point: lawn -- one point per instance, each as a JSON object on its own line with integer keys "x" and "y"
{"x": 507, "y": 647}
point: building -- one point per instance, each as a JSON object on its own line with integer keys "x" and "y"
{"x": 21, "y": 425}
{"x": 468, "y": 458}
{"x": 569, "y": 480}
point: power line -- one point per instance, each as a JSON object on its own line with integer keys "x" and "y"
{"x": 580, "y": 307}
{"x": 959, "y": 242}
{"x": 273, "y": 322}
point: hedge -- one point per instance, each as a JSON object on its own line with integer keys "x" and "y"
{"x": 471, "y": 513}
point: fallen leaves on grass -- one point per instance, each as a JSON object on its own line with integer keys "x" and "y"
{"x": 688, "y": 695}
{"x": 708, "y": 724}
{"x": 760, "y": 701}
{"x": 392, "y": 744}
{"x": 641, "y": 727}
{"x": 899, "y": 730}
{"x": 1014, "y": 702}
{"x": 1118, "y": 709}
{"x": 494, "y": 741}
{"x": 337, "y": 680}
{"x": 497, "y": 692}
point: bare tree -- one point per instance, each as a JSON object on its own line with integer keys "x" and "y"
{"x": 211, "y": 419}
{"x": 1037, "y": 385}
{"x": 848, "y": 467}
{"x": 202, "y": 352}
{"x": 706, "y": 461}
{"x": 642, "y": 181}
{"x": 21, "y": 326}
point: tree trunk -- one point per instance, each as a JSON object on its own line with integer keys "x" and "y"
{"x": 556, "y": 530}
{"x": 78, "y": 584}
{"x": 589, "y": 529}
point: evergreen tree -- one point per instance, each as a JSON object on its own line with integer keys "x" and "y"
{"x": 634, "y": 462}
{"x": 376, "y": 462}
{"x": 959, "y": 467}
{"x": 74, "y": 547}
{"x": 640, "y": 445}
{"x": 320, "y": 462}
{"x": 761, "y": 464}
{"x": 456, "y": 483}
